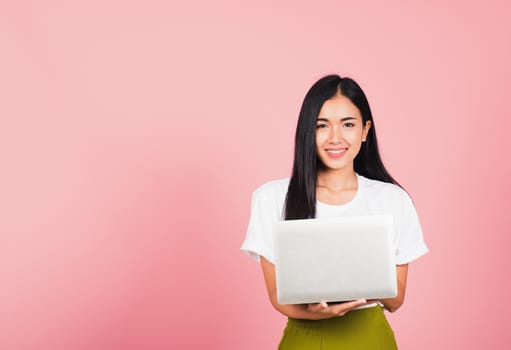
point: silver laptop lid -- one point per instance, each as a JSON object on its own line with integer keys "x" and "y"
{"x": 334, "y": 259}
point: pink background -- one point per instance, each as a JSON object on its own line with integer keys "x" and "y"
{"x": 133, "y": 133}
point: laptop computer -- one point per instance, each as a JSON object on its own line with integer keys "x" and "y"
{"x": 334, "y": 259}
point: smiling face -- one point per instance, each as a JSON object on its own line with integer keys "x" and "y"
{"x": 339, "y": 133}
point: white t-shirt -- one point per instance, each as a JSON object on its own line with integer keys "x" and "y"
{"x": 372, "y": 197}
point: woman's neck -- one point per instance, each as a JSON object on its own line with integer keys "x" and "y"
{"x": 337, "y": 180}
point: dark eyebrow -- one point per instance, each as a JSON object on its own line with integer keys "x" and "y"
{"x": 342, "y": 119}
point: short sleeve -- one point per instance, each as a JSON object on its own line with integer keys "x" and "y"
{"x": 410, "y": 240}
{"x": 259, "y": 235}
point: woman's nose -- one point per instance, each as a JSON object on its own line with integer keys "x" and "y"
{"x": 335, "y": 135}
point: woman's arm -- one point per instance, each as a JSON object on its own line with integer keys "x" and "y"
{"x": 303, "y": 311}
{"x": 392, "y": 304}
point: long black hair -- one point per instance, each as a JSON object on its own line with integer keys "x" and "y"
{"x": 300, "y": 200}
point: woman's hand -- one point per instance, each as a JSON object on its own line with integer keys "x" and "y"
{"x": 322, "y": 310}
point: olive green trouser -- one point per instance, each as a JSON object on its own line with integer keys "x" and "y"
{"x": 364, "y": 329}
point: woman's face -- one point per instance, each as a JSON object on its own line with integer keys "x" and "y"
{"x": 339, "y": 133}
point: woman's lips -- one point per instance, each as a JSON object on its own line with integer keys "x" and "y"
{"x": 336, "y": 153}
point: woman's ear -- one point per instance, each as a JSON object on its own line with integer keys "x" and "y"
{"x": 366, "y": 130}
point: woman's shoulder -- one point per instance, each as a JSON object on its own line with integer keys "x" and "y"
{"x": 385, "y": 189}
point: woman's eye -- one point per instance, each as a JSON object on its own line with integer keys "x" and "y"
{"x": 320, "y": 126}
{"x": 349, "y": 125}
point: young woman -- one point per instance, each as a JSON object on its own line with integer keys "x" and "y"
{"x": 337, "y": 171}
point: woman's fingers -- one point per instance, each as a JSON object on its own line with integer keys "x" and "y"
{"x": 338, "y": 309}
{"x": 343, "y": 308}
{"x": 317, "y": 307}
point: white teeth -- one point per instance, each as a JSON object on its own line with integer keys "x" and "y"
{"x": 337, "y": 152}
